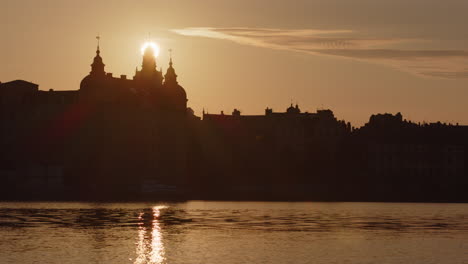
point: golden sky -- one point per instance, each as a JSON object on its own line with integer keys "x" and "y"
{"x": 355, "y": 57}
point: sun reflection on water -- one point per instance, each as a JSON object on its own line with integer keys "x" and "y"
{"x": 150, "y": 247}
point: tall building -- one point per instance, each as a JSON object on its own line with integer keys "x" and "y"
{"x": 148, "y": 86}
{"x": 114, "y": 134}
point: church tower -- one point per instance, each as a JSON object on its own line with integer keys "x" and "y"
{"x": 170, "y": 77}
{"x": 149, "y": 61}
{"x": 97, "y": 68}
{"x": 149, "y": 76}
{"x": 176, "y": 95}
{"x": 96, "y": 78}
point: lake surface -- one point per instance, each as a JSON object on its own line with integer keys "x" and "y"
{"x": 233, "y": 232}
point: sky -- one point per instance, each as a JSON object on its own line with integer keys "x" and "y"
{"x": 356, "y": 58}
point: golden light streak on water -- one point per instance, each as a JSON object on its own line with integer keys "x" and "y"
{"x": 150, "y": 247}
{"x": 157, "y": 252}
{"x": 141, "y": 245}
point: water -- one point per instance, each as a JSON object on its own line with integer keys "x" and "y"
{"x": 233, "y": 232}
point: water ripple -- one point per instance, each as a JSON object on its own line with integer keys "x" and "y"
{"x": 301, "y": 219}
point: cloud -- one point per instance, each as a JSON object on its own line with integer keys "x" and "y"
{"x": 346, "y": 44}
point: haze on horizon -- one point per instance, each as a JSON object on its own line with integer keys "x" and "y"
{"x": 355, "y": 57}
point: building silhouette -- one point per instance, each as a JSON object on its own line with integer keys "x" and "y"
{"x": 135, "y": 138}
{"x": 263, "y": 149}
{"x": 148, "y": 87}
{"x": 113, "y": 135}
{"x": 403, "y": 160}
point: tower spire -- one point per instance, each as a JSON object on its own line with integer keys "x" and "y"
{"x": 171, "y": 76}
{"x": 97, "y": 68}
{"x": 98, "y": 39}
{"x": 149, "y": 60}
{"x": 170, "y": 58}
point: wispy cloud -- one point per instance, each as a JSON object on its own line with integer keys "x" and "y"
{"x": 346, "y": 44}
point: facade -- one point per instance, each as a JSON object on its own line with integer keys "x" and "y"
{"x": 111, "y": 135}
{"x": 278, "y": 151}
{"x": 410, "y": 161}
{"x": 125, "y": 138}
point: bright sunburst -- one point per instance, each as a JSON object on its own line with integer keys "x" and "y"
{"x": 151, "y": 45}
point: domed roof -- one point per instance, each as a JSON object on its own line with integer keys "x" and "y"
{"x": 175, "y": 89}
{"x": 293, "y": 110}
{"x": 91, "y": 81}
{"x": 180, "y": 90}
{"x": 86, "y": 82}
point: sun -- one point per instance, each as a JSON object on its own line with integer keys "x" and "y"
{"x": 151, "y": 45}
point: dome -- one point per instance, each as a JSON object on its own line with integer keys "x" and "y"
{"x": 176, "y": 96}
{"x": 175, "y": 90}
{"x": 86, "y": 82}
{"x": 90, "y": 82}
{"x": 293, "y": 110}
{"x": 180, "y": 91}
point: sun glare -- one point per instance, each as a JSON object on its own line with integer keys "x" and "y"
{"x": 150, "y": 45}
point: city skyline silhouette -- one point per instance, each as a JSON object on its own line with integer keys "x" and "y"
{"x": 134, "y": 138}
{"x": 353, "y": 66}
{"x": 247, "y": 131}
